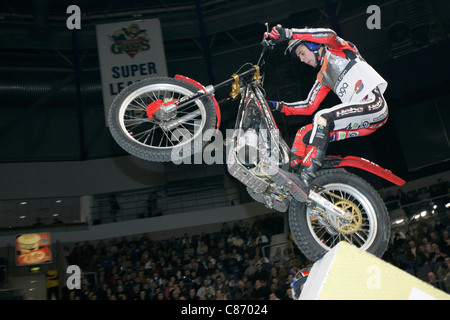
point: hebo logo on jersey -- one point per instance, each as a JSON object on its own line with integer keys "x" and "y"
{"x": 348, "y": 111}
{"x": 376, "y": 106}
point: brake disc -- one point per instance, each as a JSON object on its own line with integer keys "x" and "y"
{"x": 344, "y": 226}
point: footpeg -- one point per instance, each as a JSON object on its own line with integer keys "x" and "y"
{"x": 272, "y": 201}
{"x": 289, "y": 182}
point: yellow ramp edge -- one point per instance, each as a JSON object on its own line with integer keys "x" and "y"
{"x": 347, "y": 273}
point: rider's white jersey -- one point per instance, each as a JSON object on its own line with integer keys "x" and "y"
{"x": 351, "y": 80}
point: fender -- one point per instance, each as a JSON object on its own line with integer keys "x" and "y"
{"x": 361, "y": 163}
{"x": 202, "y": 87}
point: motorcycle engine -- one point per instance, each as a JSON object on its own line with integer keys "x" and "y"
{"x": 247, "y": 148}
{"x": 251, "y": 146}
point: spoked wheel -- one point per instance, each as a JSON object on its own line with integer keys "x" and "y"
{"x": 161, "y": 136}
{"x": 365, "y": 226}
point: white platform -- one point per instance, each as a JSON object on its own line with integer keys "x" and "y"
{"x": 347, "y": 273}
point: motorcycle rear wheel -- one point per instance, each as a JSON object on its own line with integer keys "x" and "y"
{"x": 369, "y": 230}
{"x": 148, "y": 139}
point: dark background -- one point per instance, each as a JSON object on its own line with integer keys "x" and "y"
{"x": 51, "y": 105}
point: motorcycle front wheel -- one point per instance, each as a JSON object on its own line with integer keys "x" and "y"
{"x": 369, "y": 228}
{"x": 175, "y": 135}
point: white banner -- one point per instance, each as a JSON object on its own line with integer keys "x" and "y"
{"x": 129, "y": 51}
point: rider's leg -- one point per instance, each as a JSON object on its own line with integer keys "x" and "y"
{"x": 315, "y": 152}
{"x": 311, "y": 160}
{"x": 299, "y": 146}
{"x": 310, "y": 156}
{"x": 355, "y": 119}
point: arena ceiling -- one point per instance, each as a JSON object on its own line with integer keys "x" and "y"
{"x": 43, "y": 119}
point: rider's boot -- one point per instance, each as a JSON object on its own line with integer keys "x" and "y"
{"x": 296, "y": 161}
{"x": 311, "y": 163}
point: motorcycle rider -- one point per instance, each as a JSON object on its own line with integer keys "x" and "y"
{"x": 342, "y": 70}
{"x": 298, "y": 282}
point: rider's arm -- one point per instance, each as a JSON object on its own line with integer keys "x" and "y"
{"x": 324, "y": 36}
{"x": 310, "y": 104}
{"x": 317, "y": 35}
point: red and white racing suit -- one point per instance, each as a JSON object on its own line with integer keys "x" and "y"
{"x": 359, "y": 87}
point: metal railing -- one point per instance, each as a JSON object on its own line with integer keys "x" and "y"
{"x": 137, "y": 206}
{"x": 422, "y": 208}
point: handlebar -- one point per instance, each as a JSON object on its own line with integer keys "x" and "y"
{"x": 254, "y": 70}
{"x": 229, "y": 81}
{"x": 235, "y": 78}
{"x": 266, "y": 44}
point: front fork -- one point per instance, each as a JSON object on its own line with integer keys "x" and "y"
{"x": 333, "y": 212}
{"x": 172, "y": 106}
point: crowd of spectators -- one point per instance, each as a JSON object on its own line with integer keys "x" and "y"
{"x": 422, "y": 247}
{"x": 415, "y": 201}
{"x": 423, "y": 250}
{"x": 231, "y": 264}
{"x": 226, "y": 265}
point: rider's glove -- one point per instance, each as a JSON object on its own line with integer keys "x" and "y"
{"x": 278, "y": 34}
{"x": 275, "y": 105}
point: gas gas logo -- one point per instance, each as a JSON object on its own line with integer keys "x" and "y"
{"x": 130, "y": 41}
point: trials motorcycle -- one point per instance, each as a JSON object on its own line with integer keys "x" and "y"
{"x": 161, "y": 118}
